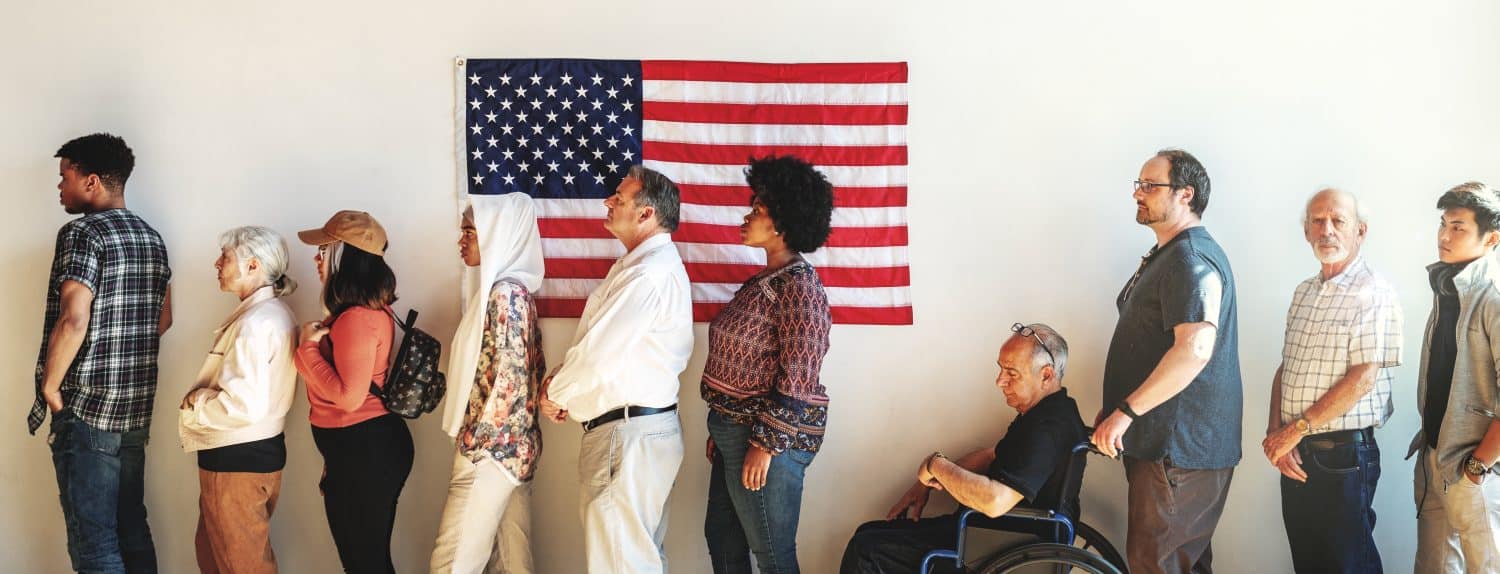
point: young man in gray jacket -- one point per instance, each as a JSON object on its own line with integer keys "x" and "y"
{"x": 1458, "y": 499}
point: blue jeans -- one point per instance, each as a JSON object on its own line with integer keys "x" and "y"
{"x": 741, "y": 522}
{"x": 1329, "y": 520}
{"x": 101, "y": 481}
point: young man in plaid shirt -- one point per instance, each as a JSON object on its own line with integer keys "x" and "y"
{"x": 1332, "y": 389}
{"x": 108, "y": 303}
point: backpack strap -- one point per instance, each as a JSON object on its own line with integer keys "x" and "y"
{"x": 411, "y": 319}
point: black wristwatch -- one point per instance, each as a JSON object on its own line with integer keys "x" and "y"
{"x": 1474, "y": 466}
{"x": 1124, "y": 407}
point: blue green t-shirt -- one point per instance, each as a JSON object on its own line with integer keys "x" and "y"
{"x": 1187, "y": 280}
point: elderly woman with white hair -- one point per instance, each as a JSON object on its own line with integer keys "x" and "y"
{"x": 234, "y": 413}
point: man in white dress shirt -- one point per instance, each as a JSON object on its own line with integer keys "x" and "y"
{"x": 619, "y": 379}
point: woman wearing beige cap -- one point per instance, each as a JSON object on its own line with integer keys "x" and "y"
{"x": 367, "y": 450}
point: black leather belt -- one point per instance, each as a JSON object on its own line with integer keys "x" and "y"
{"x": 1328, "y": 440}
{"x": 622, "y": 412}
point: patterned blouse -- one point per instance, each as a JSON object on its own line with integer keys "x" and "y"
{"x": 500, "y": 423}
{"x": 765, "y": 351}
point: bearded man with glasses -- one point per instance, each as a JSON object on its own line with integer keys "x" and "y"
{"x": 1172, "y": 395}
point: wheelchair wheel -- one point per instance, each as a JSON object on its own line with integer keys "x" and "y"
{"x": 1061, "y": 557}
{"x": 1091, "y": 540}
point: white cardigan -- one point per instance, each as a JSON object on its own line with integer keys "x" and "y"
{"x": 249, "y": 374}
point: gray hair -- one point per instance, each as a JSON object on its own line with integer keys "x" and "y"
{"x": 1054, "y": 343}
{"x": 265, "y": 246}
{"x": 657, "y": 192}
{"x": 1359, "y": 208}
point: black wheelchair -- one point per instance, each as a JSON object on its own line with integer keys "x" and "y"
{"x": 1061, "y": 543}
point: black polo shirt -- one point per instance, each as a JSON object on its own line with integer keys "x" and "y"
{"x": 1029, "y": 457}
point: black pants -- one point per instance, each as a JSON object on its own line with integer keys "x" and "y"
{"x": 366, "y": 465}
{"x": 897, "y": 546}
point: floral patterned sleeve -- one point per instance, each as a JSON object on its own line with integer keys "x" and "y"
{"x": 501, "y": 419}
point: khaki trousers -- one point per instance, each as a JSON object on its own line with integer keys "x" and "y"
{"x": 1458, "y": 527}
{"x": 627, "y": 468}
{"x": 486, "y": 524}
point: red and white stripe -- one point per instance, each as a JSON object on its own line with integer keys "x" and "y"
{"x": 701, "y": 122}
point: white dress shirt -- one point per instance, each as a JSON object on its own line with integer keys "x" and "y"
{"x": 249, "y": 376}
{"x": 634, "y": 338}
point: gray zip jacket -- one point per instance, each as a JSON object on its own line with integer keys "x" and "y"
{"x": 1475, "y": 384}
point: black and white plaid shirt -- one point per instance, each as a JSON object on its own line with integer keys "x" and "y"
{"x": 111, "y": 384}
{"x": 1351, "y": 319}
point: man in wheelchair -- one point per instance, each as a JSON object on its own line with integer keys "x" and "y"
{"x": 1025, "y": 468}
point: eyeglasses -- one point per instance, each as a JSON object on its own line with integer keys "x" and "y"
{"x": 1147, "y": 186}
{"x": 1026, "y": 331}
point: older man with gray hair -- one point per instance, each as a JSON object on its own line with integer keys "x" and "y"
{"x": 1022, "y": 469}
{"x": 1332, "y": 389}
{"x": 619, "y": 379}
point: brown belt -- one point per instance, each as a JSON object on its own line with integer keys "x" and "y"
{"x": 1329, "y": 440}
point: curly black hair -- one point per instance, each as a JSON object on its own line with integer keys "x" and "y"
{"x": 798, "y": 198}
{"x": 101, "y": 154}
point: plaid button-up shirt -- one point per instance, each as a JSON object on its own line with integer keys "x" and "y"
{"x": 111, "y": 384}
{"x": 1351, "y": 319}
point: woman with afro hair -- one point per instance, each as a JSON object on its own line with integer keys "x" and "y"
{"x": 767, "y": 408}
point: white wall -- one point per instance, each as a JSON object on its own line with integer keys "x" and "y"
{"x": 1028, "y": 121}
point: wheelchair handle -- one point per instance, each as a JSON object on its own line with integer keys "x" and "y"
{"x": 1088, "y": 445}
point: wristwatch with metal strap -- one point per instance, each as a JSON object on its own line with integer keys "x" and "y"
{"x": 1475, "y": 467}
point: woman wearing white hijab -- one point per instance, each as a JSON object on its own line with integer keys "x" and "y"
{"x": 495, "y": 365}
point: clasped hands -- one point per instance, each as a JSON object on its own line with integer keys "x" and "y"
{"x": 1280, "y": 447}
{"x": 191, "y": 398}
{"x": 552, "y": 411}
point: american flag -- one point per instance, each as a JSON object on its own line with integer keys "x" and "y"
{"x": 566, "y": 131}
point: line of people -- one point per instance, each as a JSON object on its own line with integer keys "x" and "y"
{"x": 96, "y": 376}
{"x": 1173, "y": 408}
{"x": 1171, "y": 388}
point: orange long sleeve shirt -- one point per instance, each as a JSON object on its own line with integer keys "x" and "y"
{"x": 359, "y": 348}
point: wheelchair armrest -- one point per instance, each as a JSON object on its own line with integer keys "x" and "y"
{"x": 1024, "y": 519}
{"x": 1015, "y": 516}
{"x": 1032, "y": 513}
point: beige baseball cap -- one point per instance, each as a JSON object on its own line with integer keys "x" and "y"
{"x": 356, "y": 228}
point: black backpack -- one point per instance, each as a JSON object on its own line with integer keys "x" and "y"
{"x": 413, "y": 384}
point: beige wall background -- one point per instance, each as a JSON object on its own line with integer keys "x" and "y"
{"x": 1028, "y": 122}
